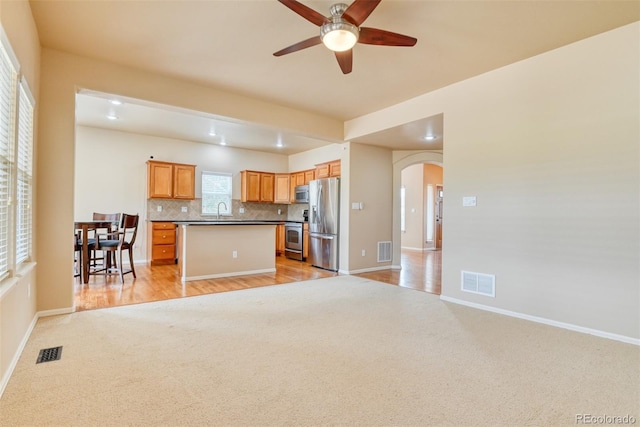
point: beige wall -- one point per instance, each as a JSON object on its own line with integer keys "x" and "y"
{"x": 412, "y": 237}
{"x": 18, "y": 295}
{"x": 549, "y": 146}
{"x": 370, "y": 182}
{"x": 309, "y": 159}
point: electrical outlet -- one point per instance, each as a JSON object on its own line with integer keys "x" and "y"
{"x": 184, "y": 209}
{"x": 159, "y": 208}
{"x": 364, "y": 252}
{"x": 241, "y": 210}
{"x": 234, "y": 254}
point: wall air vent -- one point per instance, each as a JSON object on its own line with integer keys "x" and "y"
{"x": 384, "y": 251}
{"x": 478, "y": 283}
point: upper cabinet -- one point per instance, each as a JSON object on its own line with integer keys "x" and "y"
{"x": 328, "y": 169}
{"x": 170, "y": 180}
{"x": 282, "y": 192}
{"x": 257, "y": 186}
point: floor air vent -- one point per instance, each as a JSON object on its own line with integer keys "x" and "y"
{"x": 49, "y": 354}
{"x": 384, "y": 251}
{"x": 477, "y": 283}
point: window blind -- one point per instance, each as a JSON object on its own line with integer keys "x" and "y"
{"x": 8, "y": 80}
{"x": 24, "y": 162}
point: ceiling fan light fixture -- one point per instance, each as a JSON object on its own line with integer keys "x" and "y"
{"x": 339, "y": 35}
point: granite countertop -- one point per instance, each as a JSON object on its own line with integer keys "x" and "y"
{"x": 231, "y": 222}
{"x": 227, "y": 221}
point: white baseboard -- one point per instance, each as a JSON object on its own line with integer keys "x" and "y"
{"x": 16, "y": 357}
{"x": 569, "y": 326}
{"x": 410, "y": 248}
{"x": 238, "y": 273}
{"x": 55, "y": 312}
{"x": 367, "y": 270}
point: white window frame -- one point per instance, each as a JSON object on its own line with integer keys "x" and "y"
{"x": 16, "y": 163}
{"x": 223, "y": 196}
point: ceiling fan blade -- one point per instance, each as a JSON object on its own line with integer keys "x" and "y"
{"x": 305, "y": 11}
{"x": 299, "y": 46}
{"x": 359, "y": 11}
{"x": 345, "y": 60}
{"x": 384, "y": 38}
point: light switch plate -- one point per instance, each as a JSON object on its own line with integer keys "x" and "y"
{"x": 469, "y": 201}
{"x": 159, "y": 208}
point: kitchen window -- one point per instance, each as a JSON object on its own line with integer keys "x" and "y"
{"x": 16, "y": 162}
{"x": 216, "y": 189}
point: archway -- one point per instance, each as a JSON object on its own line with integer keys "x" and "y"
{"x": 398, "y": 165}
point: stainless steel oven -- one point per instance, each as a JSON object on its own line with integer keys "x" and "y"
{"x": 293, "y": 240}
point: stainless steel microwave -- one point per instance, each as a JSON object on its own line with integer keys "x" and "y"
{"x": 302, "y": 194}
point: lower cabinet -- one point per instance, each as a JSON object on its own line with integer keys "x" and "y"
{"x": 162, "y": 243}
{"x": 279, "y": 239}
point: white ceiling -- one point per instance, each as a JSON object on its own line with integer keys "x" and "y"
{"x": 229, "y": 45}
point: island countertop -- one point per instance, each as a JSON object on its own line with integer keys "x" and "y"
{"x": 231, "y": 222}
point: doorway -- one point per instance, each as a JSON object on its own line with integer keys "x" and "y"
{"x": 421, "y": 215}
{"x": 438, "y": 215}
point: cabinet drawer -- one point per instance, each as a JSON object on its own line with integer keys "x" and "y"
{"x": 163, "y": 252}
{"x": 164, "y": 226}
{"x": 164, "y": 237}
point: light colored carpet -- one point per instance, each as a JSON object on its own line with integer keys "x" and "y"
{"x": 337, "y": 351}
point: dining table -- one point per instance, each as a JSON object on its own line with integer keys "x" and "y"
{"x": 85, "y": 227}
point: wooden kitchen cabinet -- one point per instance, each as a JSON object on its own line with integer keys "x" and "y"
{"x": 328, "y": 169}
{"x": 170, "y": 180}
{"x": 162, "y": 243}
{"x": 184, "y": 181}
{"x": 267, "y": 187}
{"x": 257, "y": 186}
{"x": 309, "y": 175}
{"x": 250, "y": 183}
{"x": 282, "y": 192}
{"x": 299, "y": 178}
{"x": 280, "y": 239}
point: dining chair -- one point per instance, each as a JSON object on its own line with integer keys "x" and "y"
{"x": 96, "y": 262}
{"x": 126, "y": 237}
{"x": 77, "y": 253}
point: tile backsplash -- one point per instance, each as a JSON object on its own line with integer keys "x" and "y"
{"x": 172, "y": 210}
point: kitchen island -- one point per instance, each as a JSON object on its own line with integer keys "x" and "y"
{"x": 212, "y": 249}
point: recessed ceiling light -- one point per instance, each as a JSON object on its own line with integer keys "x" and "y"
{"x": 212, "y": 133}
{"x": 115, "y": 102}
{"x": 112, "y": 117}
{"x": 430, "y": 137}
{"x": 279, "y": 144}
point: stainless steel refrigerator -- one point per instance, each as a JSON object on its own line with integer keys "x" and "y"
{"x": 324, "y": 218}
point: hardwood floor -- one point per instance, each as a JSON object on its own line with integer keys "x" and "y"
{"x": 420, "y": 271}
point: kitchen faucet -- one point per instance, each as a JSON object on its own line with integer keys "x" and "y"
{"x": 225, "y": 207}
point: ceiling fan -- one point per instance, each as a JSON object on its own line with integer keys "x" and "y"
{"x": 342, "y": 30}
